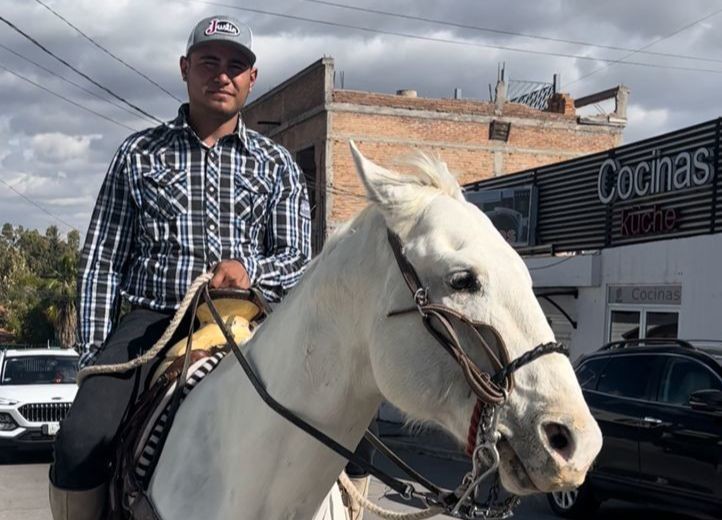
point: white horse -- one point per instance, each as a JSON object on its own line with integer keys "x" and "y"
{"x": 330, "y": 354}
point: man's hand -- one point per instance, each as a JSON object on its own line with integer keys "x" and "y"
{"x": 230, "y": 274}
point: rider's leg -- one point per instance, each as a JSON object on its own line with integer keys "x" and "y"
{"x": 85, "y": 442}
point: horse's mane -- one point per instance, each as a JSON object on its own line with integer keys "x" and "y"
{"x": 430, "y": 172}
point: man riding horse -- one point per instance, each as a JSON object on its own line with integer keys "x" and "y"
{"x": 199, "y": 193}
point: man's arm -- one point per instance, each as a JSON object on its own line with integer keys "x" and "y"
{"x": 105, "y": 252}
{"x": 288, "y": 236}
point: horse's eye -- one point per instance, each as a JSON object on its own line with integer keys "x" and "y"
{"x": 464, "y": 281}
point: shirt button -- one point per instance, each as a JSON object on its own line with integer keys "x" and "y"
{"x": 212, "y": 227}
{"x": 211, "y": 189}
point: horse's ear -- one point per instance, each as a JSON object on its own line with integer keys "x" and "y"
{"x": 386, "y": 188}
{"x": 372, "y": 175}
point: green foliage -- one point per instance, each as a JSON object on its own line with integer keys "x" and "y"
{"x": 37, "y": 284}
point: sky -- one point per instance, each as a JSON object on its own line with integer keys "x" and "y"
{"x": 54, "y": 152}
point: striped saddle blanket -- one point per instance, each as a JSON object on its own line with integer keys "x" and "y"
{"x": 150, "y": 441}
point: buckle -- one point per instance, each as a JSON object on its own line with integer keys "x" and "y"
{"x": 421, "y": 299}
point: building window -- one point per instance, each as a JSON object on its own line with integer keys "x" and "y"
{"x": 624, "y": 325}
{"x": 640, "y": 323}
{"x": 306, "y": 160}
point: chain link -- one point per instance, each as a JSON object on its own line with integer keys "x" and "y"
{"x": 485, "y": 461}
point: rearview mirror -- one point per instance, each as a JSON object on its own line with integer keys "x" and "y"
{"x": 706, "y": 401}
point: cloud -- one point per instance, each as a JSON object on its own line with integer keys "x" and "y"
{"x": 57, "y": 147}
{"x": 43, "y": 137}
{"x": 654, "y": 120}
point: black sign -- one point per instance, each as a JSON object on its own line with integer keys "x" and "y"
{"x": 499, "y": 130}
{"x": 657, "y": 189}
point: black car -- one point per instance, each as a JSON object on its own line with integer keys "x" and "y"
{"x": 659, "y": 405}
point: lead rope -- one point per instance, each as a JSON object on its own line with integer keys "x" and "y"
{"x": 356, "y": 495}
{"x": 158, "y": 346}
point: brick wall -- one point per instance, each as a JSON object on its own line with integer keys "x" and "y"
{"x": 289, "y": 100}
{"x": 389, "y": 127}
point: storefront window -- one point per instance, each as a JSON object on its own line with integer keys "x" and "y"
{"x": 625, "y": 325}
{"x": 661, "y": 325}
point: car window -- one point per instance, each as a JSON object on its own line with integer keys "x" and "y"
{"x": 588, "y": 373}
{"x": 628, "y": 376}
{"x": 39, "y": 370}
{"x": 682, "y": 377}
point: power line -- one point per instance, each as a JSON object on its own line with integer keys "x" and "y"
{"x": 41, "y": 208}
{"x": 507, "y": 33}
{"x": 8, "y": 49}
{"x": 456, "y": 42}
{"x": 61, "y": 60}
{"x": 621, "y": 60}
{"x": 66, "y": 99}
{"x": 106, "y": 51}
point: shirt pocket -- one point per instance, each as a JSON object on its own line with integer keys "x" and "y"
{"x": 249, "y": 209}
{"x": 165, "y": 192}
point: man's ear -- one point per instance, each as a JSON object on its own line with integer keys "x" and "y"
{"x": 184, "y": 64}
{"x": 254, "y": 77}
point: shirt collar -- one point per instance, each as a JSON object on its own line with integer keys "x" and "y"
{"x": 180, "y": 123}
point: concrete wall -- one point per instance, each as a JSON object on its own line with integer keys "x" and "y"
{"x": 692, "y": 263}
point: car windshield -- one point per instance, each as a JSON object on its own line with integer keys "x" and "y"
{"x": 39, "y": 370}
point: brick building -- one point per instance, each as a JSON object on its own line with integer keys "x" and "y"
{"x": 477, "y": 139}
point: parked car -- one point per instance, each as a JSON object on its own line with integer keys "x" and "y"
{"x": 659, "y": 405}
{"x": 37, "y": 387}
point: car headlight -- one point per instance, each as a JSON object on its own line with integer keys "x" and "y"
{"x": 4, "y": 401}
{"x": 7, "y": 422}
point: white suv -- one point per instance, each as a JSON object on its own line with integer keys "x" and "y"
{"x": 37, "y": 387}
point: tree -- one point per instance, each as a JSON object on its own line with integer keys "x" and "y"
{"x": 37, "y": 284}
{"x": 59, "y": 298}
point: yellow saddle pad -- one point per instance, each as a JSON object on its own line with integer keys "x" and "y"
{"x": 236, "y": 314}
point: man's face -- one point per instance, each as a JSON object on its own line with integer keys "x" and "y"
{"x": 219, "y": 78}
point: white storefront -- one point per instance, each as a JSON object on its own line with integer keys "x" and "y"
{"x": 671, "y": 288}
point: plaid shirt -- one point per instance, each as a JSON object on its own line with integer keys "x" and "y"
{"x": 171, "y": 208}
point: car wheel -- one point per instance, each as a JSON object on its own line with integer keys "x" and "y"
{"x": 575, "y": 503}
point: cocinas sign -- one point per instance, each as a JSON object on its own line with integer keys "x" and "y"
{"x": 658, "y": 174}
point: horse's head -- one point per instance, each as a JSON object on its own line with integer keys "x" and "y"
{"x": 549, "y": 438}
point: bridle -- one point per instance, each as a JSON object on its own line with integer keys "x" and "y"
{"x": 491, "y": 391}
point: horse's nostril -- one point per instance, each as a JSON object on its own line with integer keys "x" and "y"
{"x": 560, "y": 439}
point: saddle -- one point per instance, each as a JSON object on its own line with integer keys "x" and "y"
{"x": 141, "y": 438}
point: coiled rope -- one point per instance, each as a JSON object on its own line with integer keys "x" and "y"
{"x": 356, "y": 495}
{"x": 158, "y": 346}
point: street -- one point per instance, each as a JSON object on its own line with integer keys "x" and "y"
{"x": 23, "y": 491}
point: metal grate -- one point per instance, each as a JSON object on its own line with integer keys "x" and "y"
{"x": 44, "y": 412}
{"x": 534, "y": 94}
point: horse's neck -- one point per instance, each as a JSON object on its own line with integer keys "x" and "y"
{"x": 313, "y": 351}
{"x": 312, "y": 355}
